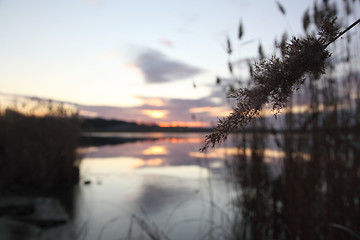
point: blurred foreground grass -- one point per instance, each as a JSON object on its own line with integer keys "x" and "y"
{"x": 38, "y": 149}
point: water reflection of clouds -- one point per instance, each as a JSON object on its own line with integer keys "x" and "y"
{"x": 166, "y": 151}
{"x": 110, "y": 166}
{"x": 117, "y": 165}
{"x": 158, "y": 176}
{"x": 153, "y": 162}
{"x": 155, "y": 150}
{"x": 169, "y": 156}
{"x": 176, "y": 151}
{"x": 270, "y": 155}
{"x": 86, "y": 150}
{"x": 183, "y": 172}
{"x": 158, "y": 192}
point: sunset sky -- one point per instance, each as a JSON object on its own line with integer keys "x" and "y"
{"x": 145, "y": 61}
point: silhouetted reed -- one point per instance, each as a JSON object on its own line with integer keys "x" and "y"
{"x": 318, "y": 187}
{"x": 314, "y": 191}
{"x": 275, "y": 79}
{"x": 38, "y": 152}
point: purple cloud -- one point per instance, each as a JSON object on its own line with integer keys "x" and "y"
{"x": 158, "y": 68}
{"x": 177, "y": 110}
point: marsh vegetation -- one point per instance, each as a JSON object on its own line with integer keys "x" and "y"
{"x": 313, "y": 192}
{"x": 38, "y": 141}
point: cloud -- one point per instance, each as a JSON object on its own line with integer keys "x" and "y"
{"x": 158, "y": 68}
{"x": 88, "y": 114}
{"x": 199, "y": 111}
{"x": 154, "y": 113}
{"x": 171, "y": 111}
{"x": 152, "y": 102}
{"x": 154, "y": 196}
{"x": 212, "y": 111}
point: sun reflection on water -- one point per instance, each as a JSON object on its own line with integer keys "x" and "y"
{"x": 153, "y": 162}
{"x": 155, "y": 150}
{"x": 269, "y": 154}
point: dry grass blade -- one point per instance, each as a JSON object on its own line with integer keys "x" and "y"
{"x": 151, "y": 229}
{"x": 103, "y": 228}
{"x": 281, "y": 8}
{"x": 241, "y": 30}
{"x": 346, "y": 229}
{"x": 228, "y": 46}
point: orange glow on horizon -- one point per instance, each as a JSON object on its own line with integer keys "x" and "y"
{"x": 183, "y": 124}
{"x": 88, "y": 113}
{"x": 155, "y": 113}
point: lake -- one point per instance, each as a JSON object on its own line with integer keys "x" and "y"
{"x": 279, "y": 186}
{"x": 161, "y": 181}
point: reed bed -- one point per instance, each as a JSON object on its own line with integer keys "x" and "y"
{"x": 316, "y": 193}
{"x": 38, "y": 151}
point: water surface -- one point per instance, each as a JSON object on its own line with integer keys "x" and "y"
{"x": 160, "y": 179}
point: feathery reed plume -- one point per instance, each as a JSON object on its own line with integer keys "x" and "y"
{"x": 275, "y": 79}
